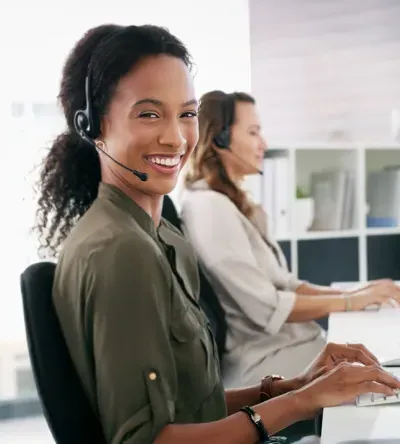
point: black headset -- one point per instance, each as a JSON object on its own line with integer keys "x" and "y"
{"x": 223, "y": 138}
{"x": 86, "y": 125}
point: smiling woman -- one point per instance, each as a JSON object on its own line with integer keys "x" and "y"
{"x": 159, "y": 125}
{"x": 143, "y": 110}
{"x": 154, "y": 129}
{"x": 126, "y": 283}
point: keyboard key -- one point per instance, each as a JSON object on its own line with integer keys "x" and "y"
{"x": 377, "y": 399}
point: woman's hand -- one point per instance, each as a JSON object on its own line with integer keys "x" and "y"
{"x": 334, "y": 354}
{"x": 344, "y": 383}
{"x": 387, "y": 282}
{"x": 374, "y": 293}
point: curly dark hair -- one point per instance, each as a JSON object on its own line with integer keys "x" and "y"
{"x": 70, "y": 173}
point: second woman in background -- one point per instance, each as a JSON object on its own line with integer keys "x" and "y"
{"x": 270, "y": 313}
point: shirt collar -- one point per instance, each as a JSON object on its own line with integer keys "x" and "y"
{"x": 123, "y": 201}
{"x": 200, "y": 184}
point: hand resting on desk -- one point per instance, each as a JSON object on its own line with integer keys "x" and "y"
{"x": 375, "y": 307}
{"x": 376, "y": 294}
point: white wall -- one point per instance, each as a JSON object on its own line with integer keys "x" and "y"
{"x": 325, "y": 70}
{"x": 35, "y": 38}
{"x": 216, "y": 32}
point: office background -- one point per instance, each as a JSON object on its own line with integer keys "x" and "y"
{"x": 326, "y": 77}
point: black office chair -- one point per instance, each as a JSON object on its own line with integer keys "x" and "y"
{"x": 67, "y": 410}
{"x": 208, "y": 300}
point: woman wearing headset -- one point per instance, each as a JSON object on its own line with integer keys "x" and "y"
{"x": 126, "y": 282}
{"x": 269, "y": 312}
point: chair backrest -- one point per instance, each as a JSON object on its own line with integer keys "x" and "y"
{"x": 208, "y": 299}
{"x": 170, "y": 213}
{"x": 68, "y": 412}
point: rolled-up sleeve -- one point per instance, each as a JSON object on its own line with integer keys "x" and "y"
{"x": 224, "y": 249}
{"x": 265, "y": 306}
{"x": 127, "y": 322}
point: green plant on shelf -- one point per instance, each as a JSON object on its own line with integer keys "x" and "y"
{"x": 300, "y": 193}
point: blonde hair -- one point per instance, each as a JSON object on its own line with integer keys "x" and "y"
{"x": 205, "y": 162}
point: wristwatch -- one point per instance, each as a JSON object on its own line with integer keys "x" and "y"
{"x": 266, "y": 386}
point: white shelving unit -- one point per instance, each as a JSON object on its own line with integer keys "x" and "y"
{"x": 303, "y": 161}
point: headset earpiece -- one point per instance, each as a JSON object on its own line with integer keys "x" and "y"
{"x": 88, "y": 128}
{"x": 80, "y": 122}
{"x": 222, "y": 140}
{"x": 84, "y": 120}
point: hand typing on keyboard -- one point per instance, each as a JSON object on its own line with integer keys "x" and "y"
{"x": 377, "y": 399}
{"x": 369, "y": 399}
{"x": 374, "y": 294}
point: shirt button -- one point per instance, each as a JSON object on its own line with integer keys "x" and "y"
{"x": 152, "y": 376}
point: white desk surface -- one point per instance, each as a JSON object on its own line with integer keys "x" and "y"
{"x": 380, "y": 332}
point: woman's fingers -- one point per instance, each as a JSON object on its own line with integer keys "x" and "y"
{"x": 377, "y": 374}
{"x": 354, "y": 353}
{"x": 374, "y": 387}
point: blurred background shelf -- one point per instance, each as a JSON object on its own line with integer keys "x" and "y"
{"x": 335, "y": 210}
{"x": 335, "y": 124}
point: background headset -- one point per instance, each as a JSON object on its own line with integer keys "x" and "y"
{"x": 223, "y": 139}
{"x": 87, "y": 125}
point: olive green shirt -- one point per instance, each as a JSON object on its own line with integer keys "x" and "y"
{"x": 126, "y": 296}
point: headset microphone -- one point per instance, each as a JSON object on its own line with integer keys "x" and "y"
{"x": 238, "y": 157}
{"x": 142, "y": 176}
{"x": 88, "y": 129}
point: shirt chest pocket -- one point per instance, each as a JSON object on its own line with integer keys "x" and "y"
{"x": 195, "y": 360}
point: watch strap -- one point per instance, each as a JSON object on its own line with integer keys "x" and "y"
{"x": 266, "y": 386}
